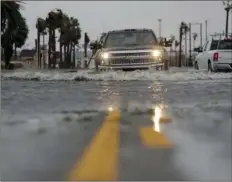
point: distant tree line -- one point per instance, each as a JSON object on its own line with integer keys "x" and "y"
{"x": 14, "y": 33}
{"x": 68, "y": 37}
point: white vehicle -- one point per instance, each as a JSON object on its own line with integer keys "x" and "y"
{"x": 216, "y": 55}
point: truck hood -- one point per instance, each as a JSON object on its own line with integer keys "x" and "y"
{"x": 127, "y": 48}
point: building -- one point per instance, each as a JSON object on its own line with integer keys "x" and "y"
{"x": 27, "y": 58}
{"x": 27, "y": 55}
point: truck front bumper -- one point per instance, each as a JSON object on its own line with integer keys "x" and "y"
{"x": 131, "y": 66}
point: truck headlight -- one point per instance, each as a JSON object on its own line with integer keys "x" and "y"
{"x": 105, "y": 55}
{"x": 156, "y": 53}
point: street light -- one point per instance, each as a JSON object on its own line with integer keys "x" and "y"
{"x": 206, "y": 30}
{"x": 228, "y": 7}
{"x": 160, "y": 28}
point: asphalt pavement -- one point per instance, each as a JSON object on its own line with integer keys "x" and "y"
{"x": 192, "y": 141}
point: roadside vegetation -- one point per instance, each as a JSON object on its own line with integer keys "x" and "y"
{"x": 14, "y": 29}
{"x": 67, "y": 29}
{"x": 14, "y": 33}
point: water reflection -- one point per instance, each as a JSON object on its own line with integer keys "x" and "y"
{"x": 156, "y": 118}
{"x": 110, "y": 108}
{"x": 109, "y": 95}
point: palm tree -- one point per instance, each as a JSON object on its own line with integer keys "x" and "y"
{"x": 41, "y": 26}
{"x": 53, "y": 21}
{"x": 10, "y": 14}
{"x": 70, "y": 39}
{"x": 11, "y": 20}
{"x": 75, "y": 32}
{"x": 20, "y": 35}
{"x": 63, "y": 28}
{"x": 183, "y": 31}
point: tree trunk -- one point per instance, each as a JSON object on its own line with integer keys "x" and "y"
{"x": 180, "y": 49}
{"x": 175, "y": 56}
{"x": 70, "y": 55}
{"x": 186, "y": 50}
{"x": 65, "y": 56}
{"x": 74, "y": 57}
{"x": 61, "y": 54}
{"x": 68, "y": 60}
{"x": 38, "y": 49}
{"x": 43, "y": 50}
{"x": 15, "y": 52}
{"x": 54, "y": 49}
{"x": 8, "y": 52}
{"x": 49, "y": 47}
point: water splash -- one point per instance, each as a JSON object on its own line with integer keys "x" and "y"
{"x": 88, "y": 75}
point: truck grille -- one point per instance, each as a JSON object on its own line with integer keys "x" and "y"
{"x": 131, "y": 54}
{"x": 129, "y": 61}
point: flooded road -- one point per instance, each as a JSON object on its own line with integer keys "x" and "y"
{"x": 56, "y": 129}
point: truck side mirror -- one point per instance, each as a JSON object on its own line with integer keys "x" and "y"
{"x": 95, "y": 45}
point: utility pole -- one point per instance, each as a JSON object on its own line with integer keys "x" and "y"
{"x": 227, "y": 20}
{"x": 190, "y": 43}
{"x": 228, "y": 7}
{"x": 201, "y": 34}
{"x": 160, "y": 28}
{"x": 206, "y": 30}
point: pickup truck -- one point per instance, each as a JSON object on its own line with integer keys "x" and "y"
{"x": 130, "y": 49}
{"x": 216, "y": 55}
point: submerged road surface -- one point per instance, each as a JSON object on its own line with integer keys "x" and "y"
{"x": 107, "y": 130}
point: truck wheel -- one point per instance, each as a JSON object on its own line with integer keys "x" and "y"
{"x": 210, "y": 67}
{"x": 196, "y": 66}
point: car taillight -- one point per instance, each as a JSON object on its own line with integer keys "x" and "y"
{"x": 215, "y": 56}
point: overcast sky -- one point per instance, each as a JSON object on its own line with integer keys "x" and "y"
{"x": 98, "y": 16}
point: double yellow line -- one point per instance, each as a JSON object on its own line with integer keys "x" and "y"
{"x": 101, "y": 157}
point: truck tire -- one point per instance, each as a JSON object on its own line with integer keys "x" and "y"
{"x": 210, "y": 67}
{"x": 196, "y": 66}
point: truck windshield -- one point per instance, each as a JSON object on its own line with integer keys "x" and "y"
{"x": 119, "y": 39}
{"x": 223, "y": 45}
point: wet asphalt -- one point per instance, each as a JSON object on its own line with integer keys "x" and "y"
{"x": 46, "y": 127}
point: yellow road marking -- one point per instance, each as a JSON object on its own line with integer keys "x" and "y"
{"x": 153, "y": 139}
{"x": 100, "y": 159}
